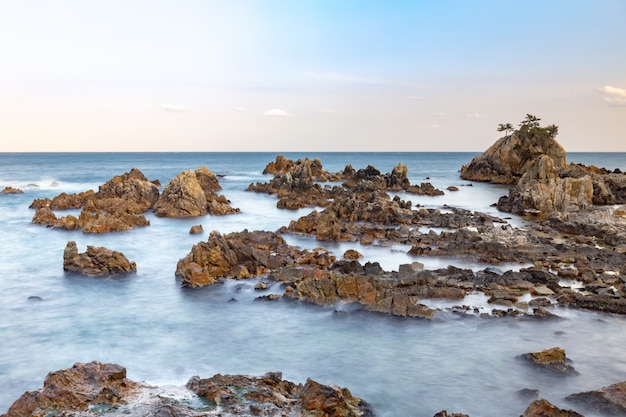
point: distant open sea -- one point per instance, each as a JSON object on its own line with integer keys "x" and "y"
{"x": 164, "y": 334}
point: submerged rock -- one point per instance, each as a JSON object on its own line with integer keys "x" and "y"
{"x": 96, "y": 261}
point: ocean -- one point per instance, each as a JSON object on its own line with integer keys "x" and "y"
{"x": 164, "y": 333}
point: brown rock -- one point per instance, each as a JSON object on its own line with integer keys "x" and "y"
{"x": 11, "y": 190}
{"x": 75, "y": 389}
{"x": 196, "y": 229}
{"x": 96, "y": 261}
{"x": 553, "y": 359}
{"x": 543, "y": 408}
{"x": 610, "y": 399}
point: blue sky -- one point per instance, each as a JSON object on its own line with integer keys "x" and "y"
{"x": 308, "y": 75}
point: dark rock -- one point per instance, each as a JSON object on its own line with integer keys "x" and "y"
{"x": 610, "y": 399}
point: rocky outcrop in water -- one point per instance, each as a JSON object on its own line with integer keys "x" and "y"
{"x": 543, "y": 408}
{"x": 96, "y": 261}
{"x": 97, "y": 389}
{"x": 535, "y": 164}
{"x": 192, "y": 193}
{"x": 75, "y": 390}
{"x": 553, "y": 359}
{"x": 610, "y": 400}
{"x": 11, "y": 190}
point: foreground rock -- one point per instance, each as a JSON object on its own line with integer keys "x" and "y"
{"x": 11, "y": 190}
{"x": 543, "y": 408}
{"x": 76, "y": 389}
{"x": 97, "y": 389}
{"x": 610, "y": 400}
{"x": 96, "y": 261}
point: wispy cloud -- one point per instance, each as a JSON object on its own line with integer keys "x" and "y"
{"x": 614, "y": 96}
{"x": 337, "y": 77}
{"x": 239, "y": 109}
{"x": 440, "y": 113}
{"x": 176, "y": 108}
{"x": 276, "y": 113}
{"x": 475, "y": 115}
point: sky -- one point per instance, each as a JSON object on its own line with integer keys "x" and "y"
{"x": 308, "y": 75}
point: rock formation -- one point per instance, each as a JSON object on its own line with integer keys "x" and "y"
{"x": 192, "y": 193}
{"x": 95, "y": 389}
{"x": 610, "y": 400}
{"x": 543, "y": 408}
{"x": 11, "y": 190}
{"x": 534, "y": 163}
{"x": 553, "y": 359}
{"x": 96, "y": 261}
{"x": 76, "y": 389}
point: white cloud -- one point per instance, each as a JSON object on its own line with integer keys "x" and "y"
{"x": 415, "y": 98}
{"x": 614, "y": 96}
{"x": 440, "y": 113}
{"x": 327, "y": 111}
{"x": 239, "y": 109}
{"x": 176, "y": 108}
{"x": 474, "y": 114}
{"x": 276, "y": 113}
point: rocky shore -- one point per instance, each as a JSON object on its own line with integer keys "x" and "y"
{"x": 571, "y": 253}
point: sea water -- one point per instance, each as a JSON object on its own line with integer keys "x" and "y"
{"x": 164, "y": 333}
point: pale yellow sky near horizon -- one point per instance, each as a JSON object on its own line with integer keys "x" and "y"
{"x": 310, "y": 76}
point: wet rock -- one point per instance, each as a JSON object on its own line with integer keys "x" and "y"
{"x": 11, "y": 190}
{"x": 96, "y": 261}
{"x": 190, "y": 194}
{"x": 196, "y": 229}
{"x": 552, "y": 359}
{"x": 610, "y": 400}
{"x": 512, "y": 155}
{"x": 271, "y": 395}
{"x": 76, "y": 389}
{"x": 543, "y": 408}
{"x": 444, "y": 413}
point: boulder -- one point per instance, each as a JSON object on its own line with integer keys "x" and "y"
{"x": 552, "y": 359}
{"x": 11, "y": 190}
{"x": 96, "y": 261}
{"x": 76, "y": 389}
{"x": 543, "y": 408}
{"x": 190, "y": 194}
{"x": 610, "y": 400}
{"x": 196, "y": 229}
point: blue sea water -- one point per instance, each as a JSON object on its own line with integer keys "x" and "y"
{"x": 164, "y": 334}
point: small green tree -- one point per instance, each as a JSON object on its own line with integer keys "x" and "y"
{"x": 505, "y": 127}
{"x": 530, "y": 122}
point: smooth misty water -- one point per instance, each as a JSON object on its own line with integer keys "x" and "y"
{"x": 164, "y": 334}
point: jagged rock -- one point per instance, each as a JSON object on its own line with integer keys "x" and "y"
{"x": 191, "y": 194}
{"x": 610, "y": 399}
{"x": 511, "y": 156}
{"x": 76, "y": 389}
{"x": 95, "y": 389}
{"x": 553, "y": 359}
{"x": 543, "y": 408}
{"x": 271, "y": 395}
{"x": 11, "y": 190}
{"x": 96, "y": 261}
{"x": 444, "y": 413}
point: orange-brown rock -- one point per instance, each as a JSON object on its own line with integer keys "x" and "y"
{"x": 553, "y": 359}
{"x": 96, "y": 261}
{"x": 76, "y": 389}
{"x": 543, "y": 408}
{"x": 11, "y": 190}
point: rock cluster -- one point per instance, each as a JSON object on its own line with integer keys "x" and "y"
{"x": 96, "y": 261}
{"x": 297, "y": 183}
{"x": 121, "y": 202}
{"x": 96, "y": 389}
{"x": 11, "y": 190}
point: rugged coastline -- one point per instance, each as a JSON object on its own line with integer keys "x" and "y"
{"x": 578, "y": 241}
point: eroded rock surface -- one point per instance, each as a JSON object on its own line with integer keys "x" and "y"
{"x": 96, "y": 261}
{"x": 610, "y": 400}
